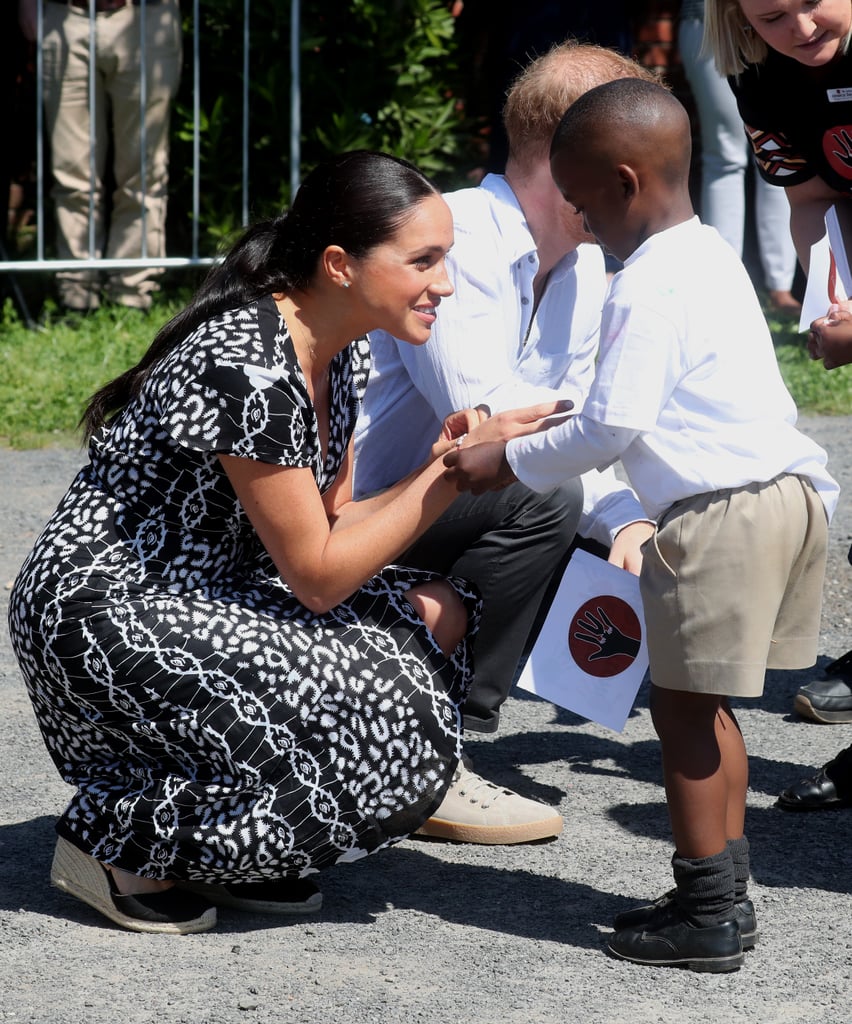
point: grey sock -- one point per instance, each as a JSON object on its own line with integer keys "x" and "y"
{"x": 705, "y": 887}
{"x": 738, "y": 849}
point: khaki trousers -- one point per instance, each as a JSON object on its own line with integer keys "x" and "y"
{"x": 119, "y": 226}
{"x": 732, "y": 585}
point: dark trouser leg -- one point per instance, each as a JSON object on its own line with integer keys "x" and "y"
{"x": 510, "y": 544}
{"x": 839, "y": 770}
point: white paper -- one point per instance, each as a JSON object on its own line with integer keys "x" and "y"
{"x": 838, "y": 225}
{"x": 590, "y": 656}
{"x": 817, "y": 297}
{"x": 829, "y": 276}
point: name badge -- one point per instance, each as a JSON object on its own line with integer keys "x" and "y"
{"x": 843, "y": 95}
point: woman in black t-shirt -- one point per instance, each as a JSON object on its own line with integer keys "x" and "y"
{"x": 788, "y": 65}
{"x": 790, "y": 68}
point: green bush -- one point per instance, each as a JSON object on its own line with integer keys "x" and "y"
{"x": 377, "y": 74}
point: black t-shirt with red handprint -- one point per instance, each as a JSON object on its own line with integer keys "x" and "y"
{"x": 798, "y": 119}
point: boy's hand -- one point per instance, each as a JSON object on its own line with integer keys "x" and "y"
{"x": 479, "y": 467}
{"x": 517, "y": 422}
{"x": 626, "y": 551}
{"x": 830, "y": 338}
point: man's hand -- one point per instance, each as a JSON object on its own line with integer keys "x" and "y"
{"x": 479, "y": 467}
{"x": 830, "y": 338}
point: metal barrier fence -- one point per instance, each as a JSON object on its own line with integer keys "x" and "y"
{"x": 40, "y": 262}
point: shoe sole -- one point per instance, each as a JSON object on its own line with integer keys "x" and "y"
{"x": 222, "y": 898}
{"x": 491, "y": 835}
{"x": 805, "y": 708}
{"x": 748, "y": 938}
{"x": 802, "y": 808}
{"x": 701, "y": 965}
{"x": 75, "y": 873}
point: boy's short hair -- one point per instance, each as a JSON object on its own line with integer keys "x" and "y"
{"x": 542, "y": 92}
{"x": 627, "y": 116}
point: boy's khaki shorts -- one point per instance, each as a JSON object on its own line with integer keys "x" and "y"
{"x": 732, "y": 585}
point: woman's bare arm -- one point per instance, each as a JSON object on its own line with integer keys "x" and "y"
{"x": 808, "y": 205}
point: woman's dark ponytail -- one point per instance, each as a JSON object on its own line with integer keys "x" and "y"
{"x": 356, "y": 200}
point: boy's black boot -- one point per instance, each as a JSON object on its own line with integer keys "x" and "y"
{"x": 744, "y": 913}
{"x": 697, "y": 928}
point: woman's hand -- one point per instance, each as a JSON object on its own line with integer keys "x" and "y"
{"x": 477, "y": 461}
{"x": 830, "y": 338}
{"x": 475, "y": 426}
{"x": 457, "y": 426}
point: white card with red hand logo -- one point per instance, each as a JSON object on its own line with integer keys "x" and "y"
{"x": 590, "y": 656}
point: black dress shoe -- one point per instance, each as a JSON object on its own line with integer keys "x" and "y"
{"x": 673, "y": 941}
{"x": 829, "y": 699}
{"x": 818, "y": 793}
{"x": 645, "y": 914}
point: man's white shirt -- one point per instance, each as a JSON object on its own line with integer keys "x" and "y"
{"x": 487, "y": 347}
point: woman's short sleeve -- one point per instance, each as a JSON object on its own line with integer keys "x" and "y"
{"x": 236, "y": 389}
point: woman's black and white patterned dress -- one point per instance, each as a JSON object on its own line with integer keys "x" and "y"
{"x": 215, "y": 729}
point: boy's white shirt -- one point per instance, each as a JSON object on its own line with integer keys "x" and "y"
{"x": 486, "y": 346}
{"x": 687, "y": 391}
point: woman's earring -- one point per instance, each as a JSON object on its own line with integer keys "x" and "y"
{"x": 345, "y": 284}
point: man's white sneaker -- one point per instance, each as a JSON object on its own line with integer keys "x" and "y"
{"x": 476, "y": 811}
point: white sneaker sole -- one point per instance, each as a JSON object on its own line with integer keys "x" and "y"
{"x": 492, "y": 835}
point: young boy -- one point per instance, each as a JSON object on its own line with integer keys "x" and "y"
{"x": 688, "y": 394}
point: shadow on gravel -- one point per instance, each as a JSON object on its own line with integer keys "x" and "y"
{"x": 616, "y": 755}
{"x": 406, "y": 877}
{"x": 510, "y": 902}
{"x": 26, "y": 850}
{"x": 788, "y": 850}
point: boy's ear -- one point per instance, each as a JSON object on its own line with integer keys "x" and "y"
{"x": 628, "y": 179}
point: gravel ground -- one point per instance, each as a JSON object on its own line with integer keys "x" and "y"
{"x": 431, "y": 931}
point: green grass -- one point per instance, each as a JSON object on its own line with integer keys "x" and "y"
{"x": 814, "y": 389}
{"x": 48, "y": 374}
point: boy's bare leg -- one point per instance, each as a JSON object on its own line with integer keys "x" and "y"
{"x": 705, "y": 769}
{"x": 735, "y": 764}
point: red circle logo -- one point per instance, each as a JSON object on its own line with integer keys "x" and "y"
{"x": 837, "y": 146}
{"x": 604, "y": 636}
